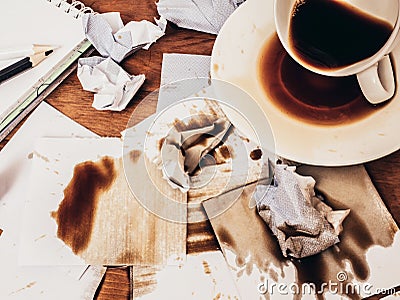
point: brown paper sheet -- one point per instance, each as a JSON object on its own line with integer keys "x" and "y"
{"x": 254, "y": 255}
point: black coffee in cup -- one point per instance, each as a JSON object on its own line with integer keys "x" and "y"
{"x": 330, "y": 34}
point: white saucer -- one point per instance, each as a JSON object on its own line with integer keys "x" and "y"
{"x": 234, "y": 59}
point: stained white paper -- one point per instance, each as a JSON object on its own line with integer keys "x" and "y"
{"x": 20, "y": 281}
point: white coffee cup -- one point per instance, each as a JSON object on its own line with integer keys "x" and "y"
{"x": 375, "y": 74}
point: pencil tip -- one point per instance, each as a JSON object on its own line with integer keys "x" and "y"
{"x": 47, "y": 53}
{"x": 44, "y": 48}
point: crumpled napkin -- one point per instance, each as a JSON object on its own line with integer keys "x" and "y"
{"x": 303, "y": 224}
{"x": 201, "y": 15}
{"x": 113, "y": 87}
{"x": 112, "y": 39}
{"x": 183, "y": 148}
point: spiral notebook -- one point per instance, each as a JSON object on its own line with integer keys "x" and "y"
{"x": 48, "y": 22}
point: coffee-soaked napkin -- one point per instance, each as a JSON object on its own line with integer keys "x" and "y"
{"x": 113, "y": 39}
{"x": 113, "y": 87}
{"x": 303, "y": 224}
{"x": 183, "y": 150}
{"x": 201, "y": 15}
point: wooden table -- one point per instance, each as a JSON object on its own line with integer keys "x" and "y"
{"x": 70, "y": 99}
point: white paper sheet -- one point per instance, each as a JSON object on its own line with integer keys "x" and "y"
{"x": 35, "y": 22}
{"x": 203, "y": 276}
{"x": 39, "y": 282}
{"x": 53, "y": 162}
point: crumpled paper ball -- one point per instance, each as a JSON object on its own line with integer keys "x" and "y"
{"x": 303, "y": 224}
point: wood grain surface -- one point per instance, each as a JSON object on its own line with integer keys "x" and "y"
{"x": 70, "y": 99}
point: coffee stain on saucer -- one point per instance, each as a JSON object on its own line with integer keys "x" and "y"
{"x": 309, "y": 97}
{"x": 76, "y": 212}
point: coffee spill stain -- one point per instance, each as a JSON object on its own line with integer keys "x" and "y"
{"x": 355, "y": 236}
{"x": 134, "y": 155}
{"x": 246, "y": 244}
{"x": 144, "y": 280}
{"x": 206, "y": 268}
{"x": 28, "y": 286}
{"x": 201, "y": 238}
{"x": 226, "y": 151}
{"x": 30, "y": 155}
{"x": 356, "y": 239}
{"x": 324, "y": 267}
{"x": 227, "y": 239}
{"x": 40, "y": 237}
{"x": 201, "y": 118}
{"x": 76, "y": 212}
{"x": 246, "y": 139}
{"x": 197, "y": 121}
{"x": 218, "y": 156}
{"x": 256, "y": 154}
{"x": 149, "y": 134}
{"x": 307, "y": 96}
{"x": 214, "y": 109}
{"x": 125, "y": 257}
{"x": 161, "y": 143}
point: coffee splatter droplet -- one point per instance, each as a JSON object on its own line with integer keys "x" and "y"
{"x": 206, "y": 267}
{"x": 134, "y": 155}
{"x": 215, "y": 67}
{"x": 256, "y": 154}
{"x": 161, "y": 143}
{"x": 226, "y": 151}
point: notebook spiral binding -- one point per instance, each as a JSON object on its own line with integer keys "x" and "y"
{"x": 75, "y": 8}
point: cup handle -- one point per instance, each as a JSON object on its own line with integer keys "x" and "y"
{"x": 377, "y": 82}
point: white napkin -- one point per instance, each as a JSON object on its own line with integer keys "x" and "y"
{"x": 113, "y": 87}
{"x": 176, "y": 67}
{"x": 112, "y": 39}
{"x": 183, "y": 149}
{"x": 201, "y": 15}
